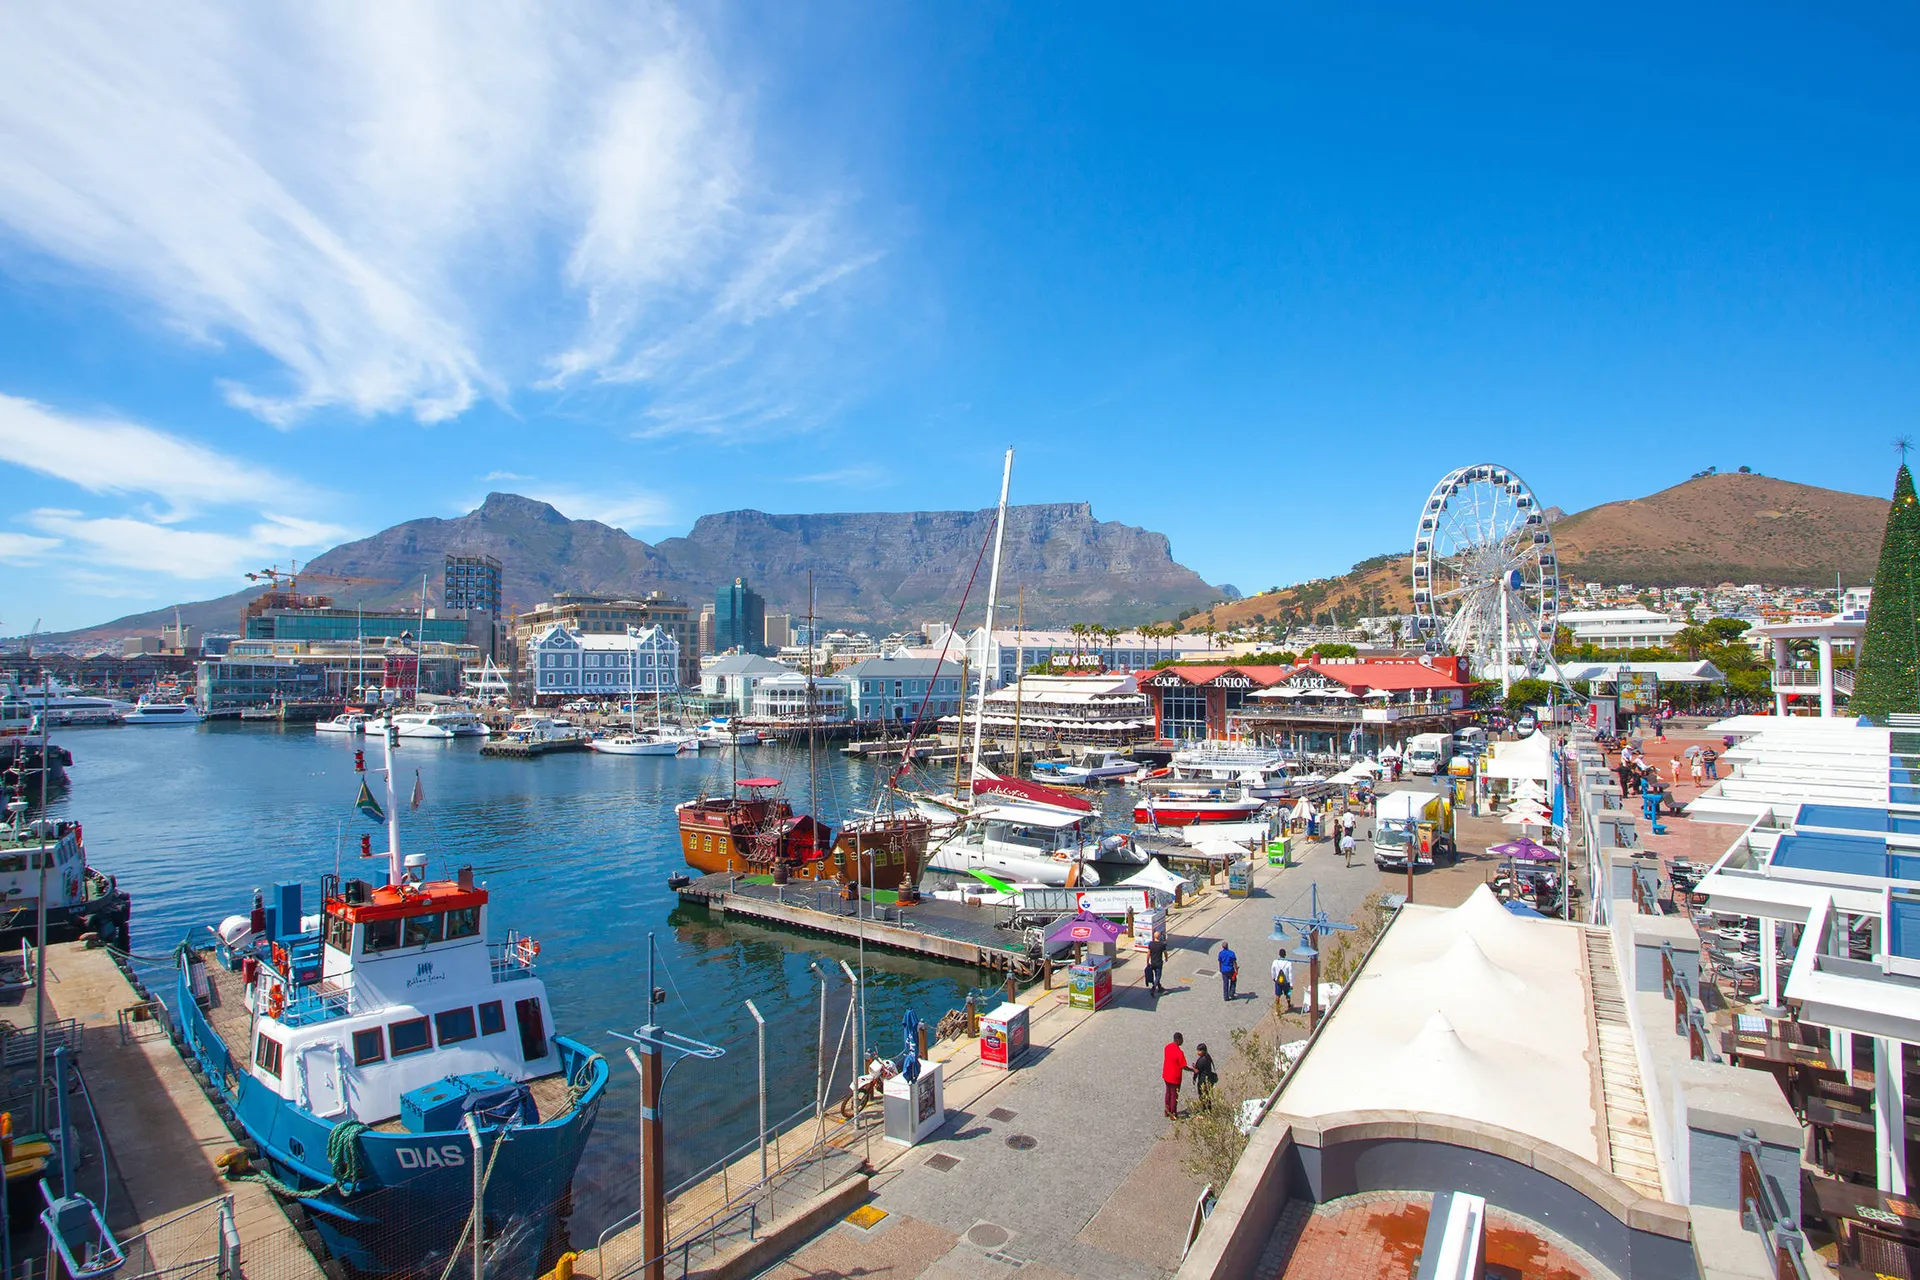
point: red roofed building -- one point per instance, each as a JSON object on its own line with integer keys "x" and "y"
{"x": 1386, "y": 699}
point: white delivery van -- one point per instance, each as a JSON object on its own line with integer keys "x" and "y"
{"x": 1429, "y": 752}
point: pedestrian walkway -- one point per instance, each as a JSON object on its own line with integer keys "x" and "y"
{"x": 1066, "y": 1166}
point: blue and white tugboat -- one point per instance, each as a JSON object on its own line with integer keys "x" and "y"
{"x": 354, "y": 1047}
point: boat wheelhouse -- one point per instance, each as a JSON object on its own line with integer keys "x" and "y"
{"x": 80, "y": 900}
{"x": 376, "y": 1053}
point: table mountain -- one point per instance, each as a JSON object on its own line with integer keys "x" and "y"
{"x": 879, "y": 569}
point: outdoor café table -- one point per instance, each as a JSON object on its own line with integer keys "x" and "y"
{"x": 1841, "y": 1202}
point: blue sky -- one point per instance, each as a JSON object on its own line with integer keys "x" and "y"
{"x": 1254, "y": 277}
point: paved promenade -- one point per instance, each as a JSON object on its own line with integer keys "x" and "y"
{"x": 1099, "y": 1191}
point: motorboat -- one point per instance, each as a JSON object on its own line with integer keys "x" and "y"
{"x": 644, "y": 742}
{"x": 1044, "y": 845}
{"x": 345, "y": 722}
{"x": 720, "y": 732}
{"x": 386, "y": 1057}
{"x": 538, "y": 727}
{"x": 1094, "y": 766}
{"x": 1184, "y": 807}
{"x": 439, "y": 724}
{"x": 145, "y": 712}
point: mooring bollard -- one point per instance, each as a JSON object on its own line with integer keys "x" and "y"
{"x": 1046, "y": 974}
{"x": 1013, "y": 990}
{"x": 973, "y": 1017}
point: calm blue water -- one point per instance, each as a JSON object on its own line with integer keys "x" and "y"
{"x": 576, "y": 850}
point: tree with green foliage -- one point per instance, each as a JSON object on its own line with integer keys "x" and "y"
{"x": 1525, "y": 694}
{"x": 1335, "y": 651}
{"x": 1728, "y": 630}
{"x": 1887, "y": 679}
{"x": 1692, "y": 640}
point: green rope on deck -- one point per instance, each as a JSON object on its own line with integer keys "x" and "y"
{"x": 581, "y": 1084}
{"x": 344, "y": 1155}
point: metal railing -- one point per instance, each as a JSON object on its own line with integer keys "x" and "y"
{"x": 1763, "y": 1208}
{"x": 201, "y": 1241}
{"x": 737, "y": 1197}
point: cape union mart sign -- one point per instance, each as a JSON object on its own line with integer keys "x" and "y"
{"x": 1231, "y": 680}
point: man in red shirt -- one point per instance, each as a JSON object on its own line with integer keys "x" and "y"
{"x": 1173, "y": 1065}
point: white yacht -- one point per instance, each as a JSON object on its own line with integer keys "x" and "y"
{"x": 345, "y": 722}
{"x": 1022, "y": 842}
{"x": 439, "y": 724}
{"x": 645, "y": 742}
{"x": 64, "y": 708}
{"x": 162, "y": 713}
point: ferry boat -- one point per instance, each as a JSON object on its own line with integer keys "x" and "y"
{"x": 61, "y": 707}
{"x": 145, "y": 712}
{"x": 79, "y": 899}
{"x": 756, "y": 832}
{"x": 353, "y": 1052}
{"x": 536, "y": 727}
{"x": 1259, "y": 772}
{"x": 439, "y": 724}
{"x": 345, "y": 722}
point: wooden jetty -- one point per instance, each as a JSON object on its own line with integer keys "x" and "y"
{"x": 929, "y": 928}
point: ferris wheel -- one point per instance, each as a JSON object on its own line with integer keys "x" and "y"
{"x": 1486, "y": 583}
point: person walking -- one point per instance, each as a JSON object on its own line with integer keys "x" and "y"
{"x": 1347, "y": 821}
{"x": 1282, "y": 984}
{"x": 1229, "y": 972}
{"x": 1156, "y": 964}
{"x": 1712, "y": 759}
{"x": 1347, "y": 846}
{"x": 1173, "y": 1068}
{"x": 1204, "y": 1075}
{"x": 1675, "y": 767}
{"x": 1699, "y": 771}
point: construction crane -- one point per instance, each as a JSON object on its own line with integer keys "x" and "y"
{"x": 288, "y": 579}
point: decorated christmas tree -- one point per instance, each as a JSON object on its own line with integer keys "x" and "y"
{"x": 1887, "y": 673}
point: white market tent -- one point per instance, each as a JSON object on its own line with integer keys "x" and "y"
{"x": 1529, "y": 758}
{"x": 1470, "y": 1012}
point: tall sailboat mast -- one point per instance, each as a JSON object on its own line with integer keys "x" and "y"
{"x": 986, "y": 645}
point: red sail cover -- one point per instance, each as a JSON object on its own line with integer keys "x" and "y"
{"x": 1031, "y": 792}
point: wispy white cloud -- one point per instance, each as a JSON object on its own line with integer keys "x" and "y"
{"x": 195, "y": 555}
{"x": 107, "y": 455}
{"x": 845, "y": 475}
{"x": 376, "y": 198}
{"x": 219, "y": 515}
{"x": 25, "y": 547}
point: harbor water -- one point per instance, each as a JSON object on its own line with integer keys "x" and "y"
{"x": 576, "y": 849}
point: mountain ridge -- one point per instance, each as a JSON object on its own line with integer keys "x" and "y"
{"x": 868, "y": 568}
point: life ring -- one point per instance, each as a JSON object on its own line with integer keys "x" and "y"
{"x": 276, "y": 1000}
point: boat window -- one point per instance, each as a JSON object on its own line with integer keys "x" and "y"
{"x": 14, "y": 862}
{"x": 453, "y": 1026}
{"x": 339, "y": 933}
{"x": 266, "y": 1055}
{"x": 368, "y": 1046}
{"x": 533, "y": 1030}
{"x": 421, "y": 930}
{"x": 410, "y": 1036}
{"x": 463, "y": 922}
{"x": 380, "y": 935}
{"x": 493, "y": 1020}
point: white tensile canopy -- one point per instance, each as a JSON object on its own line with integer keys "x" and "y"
{"x": 1470, "y": 1012}
{"x": 1154, "y": 876}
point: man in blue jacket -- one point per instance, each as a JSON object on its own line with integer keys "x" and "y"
{"x": 1229, "y": 971}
